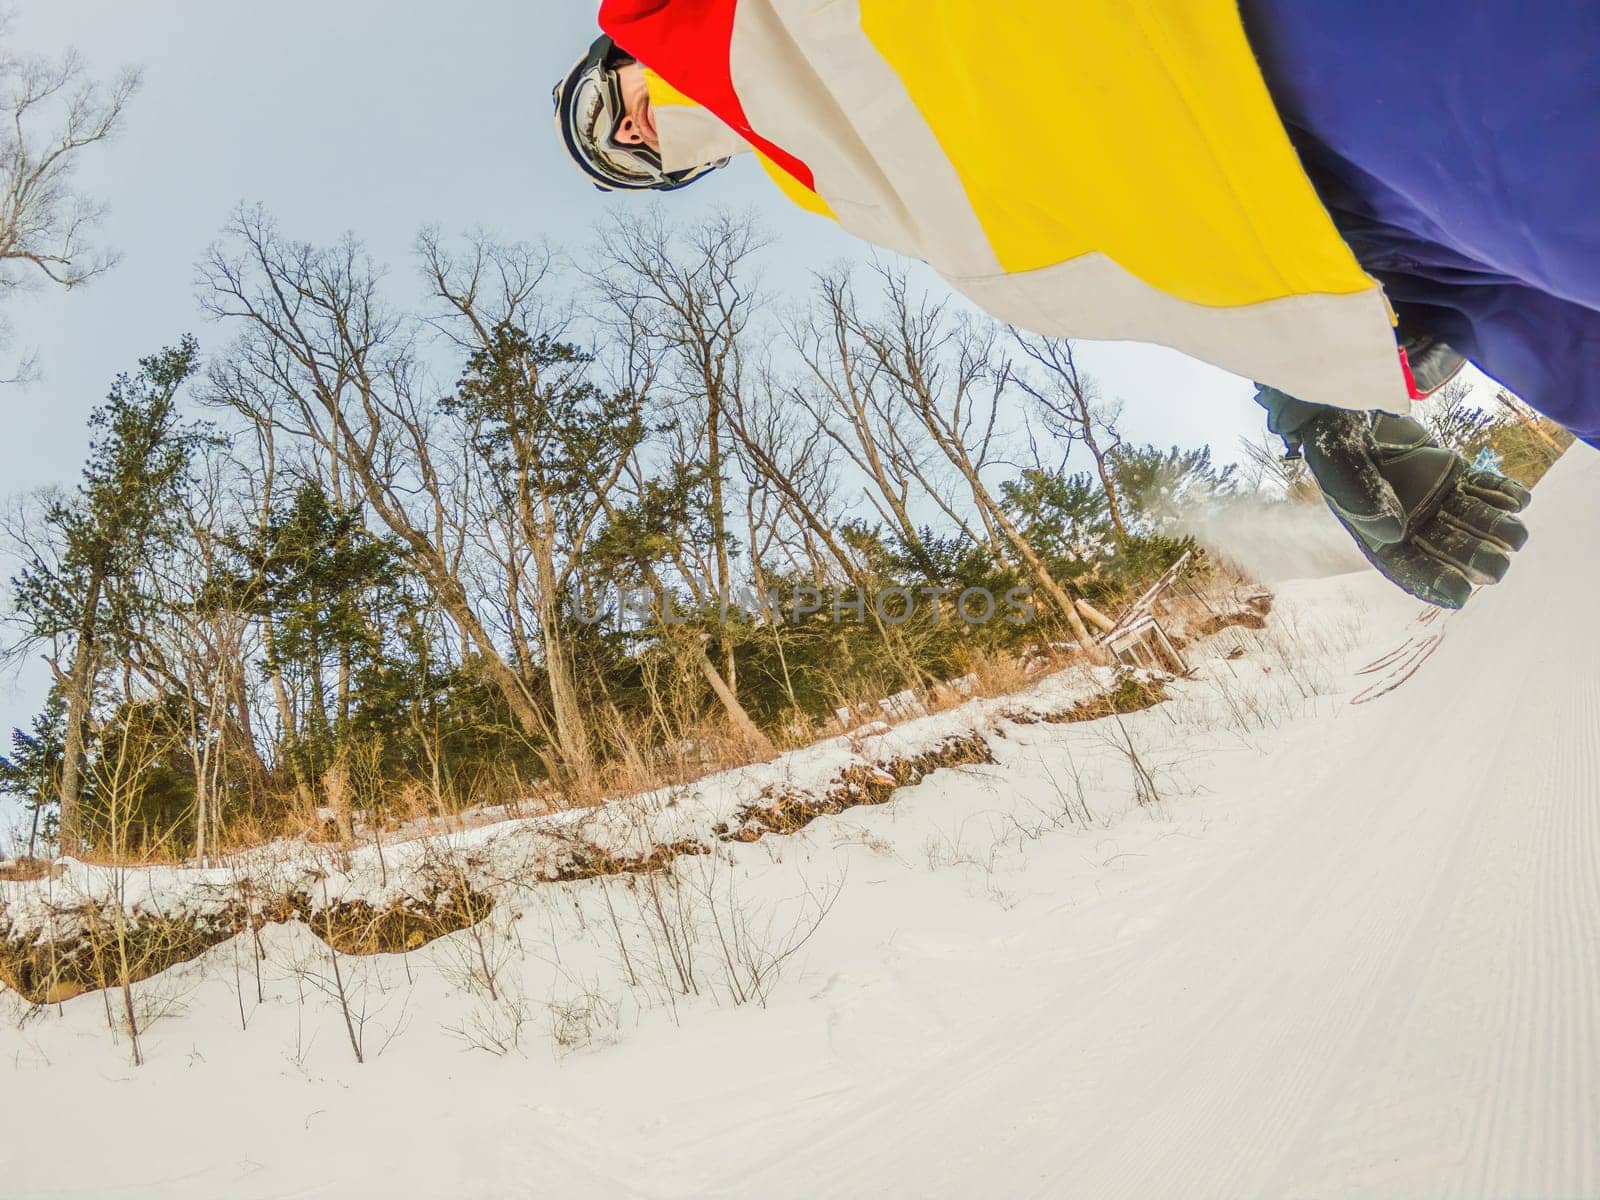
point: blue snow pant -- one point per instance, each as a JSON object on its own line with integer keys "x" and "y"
{"x": 1457, "y": 146}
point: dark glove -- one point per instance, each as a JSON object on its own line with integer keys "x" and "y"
{"x": 1425, "y": 518}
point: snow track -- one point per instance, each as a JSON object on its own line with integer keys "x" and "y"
{"x": 1365, "y": 962}
{"x": 1398, "y": 994}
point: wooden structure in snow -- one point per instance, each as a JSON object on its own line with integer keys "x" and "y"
{"x": 1137, "y": 638}
{"x": 1143, "y": 643}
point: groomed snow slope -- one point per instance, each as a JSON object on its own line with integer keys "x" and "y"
{"x": 1353, "y": 952}
{"x": 1396, "y": 992}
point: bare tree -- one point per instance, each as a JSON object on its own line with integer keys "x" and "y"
{"x": 691, "y": 291}
{"x": 232, "y": 384}
{"x": 1538, "y": 426}
{"x": 319, "y": 338}
{"x": 636, "y": 365}
{"x": 947, "y": 374}
{"x": 197, "y": 643}
{"x": 842, "y": 386}
{"x": 50, "y": 111}
{"x": 1067, "y": 401}
{"x": 542, "y": 434}
{"x": 790, "y": 459}
{"x": 1269, "y": 468}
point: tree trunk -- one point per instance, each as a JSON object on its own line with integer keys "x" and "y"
{"x": 291, "y": 734}
{"x": 201, "y": 813}
{"x": 747, "y": 728}
{"x": 240, "y": 729}
{"x": 80, "y": 694}
{"x": 448, "y": 589}
{"x": 1041, "y": 574}
{"x": 818, "y": 531}
{"x": 719, "y": 521}
{"x": 1095, "y": 616}
{"x": 572, "y": 735}
{"x": 759, "y": 578}
{"x": 342, "y": 695}
{"x": 1113, "y": 500}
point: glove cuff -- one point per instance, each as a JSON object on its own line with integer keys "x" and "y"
{"x": 1286, "y": 416}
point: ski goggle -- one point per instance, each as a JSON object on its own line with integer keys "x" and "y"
{"x": 589, "y": 111}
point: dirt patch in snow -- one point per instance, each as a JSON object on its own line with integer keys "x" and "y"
{"x": 102, "y": 948}
{"x": 784, "y": 810}
{"x": 1133, "y": 693}
{"x": 97, "y": 947}
{"x": 94, "y": 938}
{"x": 357, "y": 927}
{"x": 103, "y": 952}
{"x": 1252, "y": 616}
{"x": 590, "y": 862}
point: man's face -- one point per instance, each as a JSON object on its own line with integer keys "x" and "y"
{"x": 638, "y": 127}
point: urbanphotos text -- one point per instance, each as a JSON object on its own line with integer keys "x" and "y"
{"x": 892, "y": 606}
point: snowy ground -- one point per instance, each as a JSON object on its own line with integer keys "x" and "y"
{"x": 1346, "y": 949}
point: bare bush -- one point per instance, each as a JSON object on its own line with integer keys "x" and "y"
{"x": 689, "y": 931}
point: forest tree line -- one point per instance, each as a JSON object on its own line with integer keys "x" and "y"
{"x": 364, "y": 555}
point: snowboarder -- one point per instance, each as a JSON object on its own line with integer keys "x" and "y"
{"x": 1271, "y": 187}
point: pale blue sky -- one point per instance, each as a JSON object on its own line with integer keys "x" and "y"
{"x": 373, "y": 116}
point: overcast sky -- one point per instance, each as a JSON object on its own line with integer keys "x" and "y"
{"x": 377, "y": 117}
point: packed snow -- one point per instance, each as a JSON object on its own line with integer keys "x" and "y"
{"x": 1257, "y": 940}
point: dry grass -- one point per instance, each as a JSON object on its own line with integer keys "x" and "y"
{"x": 1252, "y": 616}
{"x": 358, "y": 928}
{"x": 675, "y": 748}
{"x": 24, "y": 870}
{"x": 695, "y": 750}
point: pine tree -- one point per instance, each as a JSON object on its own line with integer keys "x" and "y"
{"x": 556, "y": 445}
{"x": 326, "y": 590}
{"x": 32, "y": 771}
{"x": 80, "y": 593}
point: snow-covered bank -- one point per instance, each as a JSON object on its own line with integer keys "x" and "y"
{"x": 383, "y": 869}
{"x": 1338, "y": 949}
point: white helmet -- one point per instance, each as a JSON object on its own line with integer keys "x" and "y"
{"x": 589, "y": 108}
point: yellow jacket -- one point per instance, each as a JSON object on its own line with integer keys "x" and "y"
{"x": 1087, "y": 168}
